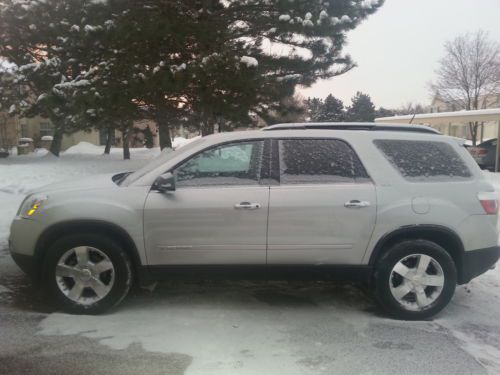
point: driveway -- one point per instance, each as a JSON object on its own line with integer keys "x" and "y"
{"x": 245, "y": 328}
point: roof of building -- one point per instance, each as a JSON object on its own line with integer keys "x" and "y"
{"x": 492, "y": 114}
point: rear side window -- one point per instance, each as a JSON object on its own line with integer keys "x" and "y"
{"x": 424, "y": 160}
{"x": 316, "y": 161}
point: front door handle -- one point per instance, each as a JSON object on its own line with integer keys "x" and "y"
{"x": 356, "y": 204}
{"x": 247, "y": 206}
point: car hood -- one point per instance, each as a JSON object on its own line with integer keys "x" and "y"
{"x": 100, "y": 181}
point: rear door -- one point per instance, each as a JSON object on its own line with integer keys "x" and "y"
{"x": 323, "y": 210}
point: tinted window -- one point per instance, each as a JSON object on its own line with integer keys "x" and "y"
{"x": 230, "y": 164}
{"x": 424, "y": 160}
{"x": 318, "y": 161}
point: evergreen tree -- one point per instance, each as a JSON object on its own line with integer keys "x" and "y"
{"x": 50, "y": 49}
{"x": 148, "y": 137}
{"x": 384, "y": 112}
{"x": 361, "y": 109}
{"x": 314, "y": 108}
{"x": 235, "y": 60}
{"x": 329, "y": 110}
{"x": 103, "y": 64}
{"x": 332, "y": 110}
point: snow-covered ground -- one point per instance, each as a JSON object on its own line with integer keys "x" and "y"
{"x": 245, "y": 328}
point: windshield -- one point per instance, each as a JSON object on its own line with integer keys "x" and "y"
{"x": 165, "y": 156}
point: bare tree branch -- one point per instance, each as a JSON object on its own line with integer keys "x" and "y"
{"x": 469, "y": 73}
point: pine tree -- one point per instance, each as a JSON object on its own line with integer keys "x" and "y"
{"x": 314, "y": 107}
{"x": 148, "y": 137}
{"x": 329, "y": 110}
{"x": 236, "y": 67}
{"x": 332, "y": 110}
{"x": 361, "y": 109}
{"x": 384, "y": 112}
{"x": 104, "y": 64}
{"x": 52, "y": 48}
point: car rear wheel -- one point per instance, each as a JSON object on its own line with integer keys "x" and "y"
{"x": 87, "y": 273}
{"x": 415, "y": 279}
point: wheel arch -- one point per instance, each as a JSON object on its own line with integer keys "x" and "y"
{"x": 441, "y": 235}
{"x": 52, "y": 233}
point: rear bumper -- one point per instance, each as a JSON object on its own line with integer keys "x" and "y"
{"x": 477, "y": 262}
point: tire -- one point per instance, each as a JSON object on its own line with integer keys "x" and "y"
{"x": 100, "y": 285}
{"x": 422, "y": 301}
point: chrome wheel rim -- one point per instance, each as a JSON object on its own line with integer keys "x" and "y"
{"x": 416, "y": 282}
{"x": 85, "y": 275}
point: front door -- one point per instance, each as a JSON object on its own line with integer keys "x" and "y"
{"x": 323, "y": 211}
{"x": 217, "y": 214}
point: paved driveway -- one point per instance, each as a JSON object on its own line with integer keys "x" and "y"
{"x": 245, "y": 328}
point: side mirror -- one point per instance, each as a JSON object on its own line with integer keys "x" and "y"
{"x": 165, "y": 182}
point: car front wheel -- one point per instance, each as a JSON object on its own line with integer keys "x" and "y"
{"x": 87, "y": 273}
{"x": 415, "y": 279}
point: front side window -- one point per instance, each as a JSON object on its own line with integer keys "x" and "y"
{"x": 424, "y": 160}
{"x": 316, "y": 161}
{"x": 229, "y": 164}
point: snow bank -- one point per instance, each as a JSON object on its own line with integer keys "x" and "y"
{"x": 84, "y": 148}
{"x": 181, "y": 141}
{"x": 249, "y": 61}
{"x": 40, "y": 152}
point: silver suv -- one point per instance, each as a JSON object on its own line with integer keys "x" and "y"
{"x": 402, "y": 208}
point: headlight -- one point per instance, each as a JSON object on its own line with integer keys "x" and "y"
{"x": 31, "y": 205}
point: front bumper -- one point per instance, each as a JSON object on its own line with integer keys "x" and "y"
{"x": 26, "y": 263}
{"x": 22, "y": 241}
{"x": 477, "y": 262}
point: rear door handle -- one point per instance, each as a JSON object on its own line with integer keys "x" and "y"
{"x": 247, "y": 206}
{"x": 356, "y": 204}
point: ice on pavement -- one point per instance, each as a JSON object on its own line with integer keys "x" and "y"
{"x": 238, "y": 328}
{"x": 270, "y": 328}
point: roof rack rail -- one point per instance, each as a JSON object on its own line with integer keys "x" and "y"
{"x": 353, "y": 126}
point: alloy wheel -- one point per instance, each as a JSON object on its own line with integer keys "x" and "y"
{"x": 416, "y": 282}
{"x": 85, "y": 275}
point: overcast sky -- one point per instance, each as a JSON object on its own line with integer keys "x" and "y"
{"x": 398, "y": 48}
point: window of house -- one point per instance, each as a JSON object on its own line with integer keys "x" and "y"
{"x": 424, "y": 160}
{"x": 24, "y": 131}
{"x": 46, "y": 128}
{"x": 317, "y": 161}
{"x": 229, "y": 164}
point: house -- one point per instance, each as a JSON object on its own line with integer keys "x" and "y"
{"x": 8, "y": 131}
{"x": 460, "y": 129}
{"x": 39, "y": 129}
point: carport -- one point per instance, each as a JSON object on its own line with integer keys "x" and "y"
{"x": 440, "y": 118}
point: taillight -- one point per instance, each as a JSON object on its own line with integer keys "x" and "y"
{"x": 489, "y": 202}
{"x": 478, "y": 151}
{"x": 490, "y": 206}
{"x": 481, "y": 151}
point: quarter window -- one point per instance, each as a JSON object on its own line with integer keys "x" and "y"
{"x": 424, "y": 160}
{"x": 316, "y": 161}
{"x": 229, "y": 164}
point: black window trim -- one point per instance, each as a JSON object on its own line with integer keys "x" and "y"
{"x": 369, "y": 179}
{"x": 208, "y": 148}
